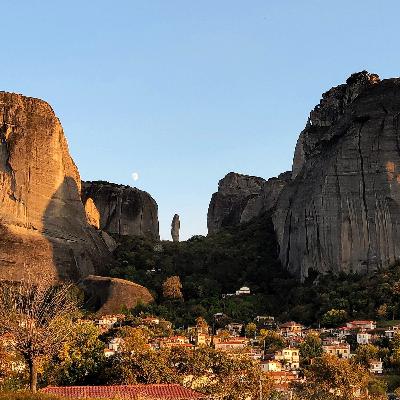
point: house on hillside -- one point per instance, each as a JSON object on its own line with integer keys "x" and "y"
{"x": 376, "y": 366}
{"x": 363, "y": 337}
{"x": 341, "y": 350}
{"x": 271, "y": 366}
{"x": 291, "y": 328}
{"x": 234, "y": 328}
{"x": 232, "y": 344}
{"x": 361, "y": 324}
{"x": 290, "y": 358}
{"x": 127, "y": 392}
{"x": 244, "y": 290}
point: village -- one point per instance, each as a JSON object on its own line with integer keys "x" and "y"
{"x": 281, "y": 351}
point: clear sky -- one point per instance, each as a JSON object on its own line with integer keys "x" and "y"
{"x": 182, "y": 92}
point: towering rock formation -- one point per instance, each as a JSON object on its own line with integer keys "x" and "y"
{"x": 341, "y": 212}
{"x": 122, "y": 209}
{"x": 241, "y": 198}
{"x": 43, "y": 226}
{"x": 339, "y": 209}
{"x": 175, "y": 227}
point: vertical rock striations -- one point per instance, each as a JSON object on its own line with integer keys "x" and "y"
{"x": 43, "y": 226}
{"x": 339, "y": 208}
{"x": 241, "y": 198}
{"x": 341, "y": 212}
{"x": 123, "y": 210}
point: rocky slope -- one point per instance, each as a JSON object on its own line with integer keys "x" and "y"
{"x": 110, "y": 295}
{"x": 241, "y": 198}
{"x": 339, "y": 209}
{"x": 122, "y": 209}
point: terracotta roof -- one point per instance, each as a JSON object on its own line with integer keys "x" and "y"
{"x": 361, "y": 322}
{"x": 151, "y": 392}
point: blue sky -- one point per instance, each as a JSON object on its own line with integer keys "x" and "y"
{"x": 183, "y": 92}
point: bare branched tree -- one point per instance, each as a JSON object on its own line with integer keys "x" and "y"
{"x": 38, "y": 316}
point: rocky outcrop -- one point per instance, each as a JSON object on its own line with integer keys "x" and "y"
{"x": 241, "y": 198}
{"x": 43, "y": 226}
{"x": 92, "y": 213}
{"x": 111, "y": 295}
{"x": 175, "y": 227}
{"x": 341, "y": 211}
{"x": 123, "y": 210}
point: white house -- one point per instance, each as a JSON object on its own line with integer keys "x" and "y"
{"x": 271, "y": 366}
{"x": 242, "y": 291}
{"x": 376, "y": 366}
{"x": 363, "y": 337}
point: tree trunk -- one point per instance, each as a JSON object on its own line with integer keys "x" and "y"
{"x": 32, "y": 375}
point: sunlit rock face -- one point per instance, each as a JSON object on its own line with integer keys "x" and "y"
{"x": 341, "y": 210}
{"x": 123, "y": 210}
{"x": 109, "y": 295}
{"x": 240, "y": 198}
{"x": 42, "y": 219}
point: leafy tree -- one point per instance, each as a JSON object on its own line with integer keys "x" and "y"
{"x": 251, "y": 329}
{"x": 310, "y": 348}
{"x": 272, "y": 341}
{"x": 334, "y": 317}
{"x": 382, "y": 311}
{"x": 172, "y": 288}
{"x": 332, "y": 378}
{"x": 366, "y": 353}
{"x": 37, "y": 315}
{"x": 80, "y": 359}
{"x": 134, "y": 339}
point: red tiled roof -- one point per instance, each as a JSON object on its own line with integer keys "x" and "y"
{"x": 151, "y": 392}
{"x": 359, "y": 322}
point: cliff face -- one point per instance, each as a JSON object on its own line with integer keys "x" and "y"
{"x": 43, "y": 225}
{"x": 341, "y": 211}
{"x": 241, "y": 198}
{"x": 122, "y": 209}
{"x": 339, "y": 208}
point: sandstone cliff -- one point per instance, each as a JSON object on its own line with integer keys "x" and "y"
{"x": 241, "y": 198}
{"x": 44, "y": 226}
{"x": 122, "y": 209}
{"x": 341, "y": 211}
{"x": 42, "y": 220}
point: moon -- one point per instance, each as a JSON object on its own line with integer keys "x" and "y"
{"x": 135, "y": 176}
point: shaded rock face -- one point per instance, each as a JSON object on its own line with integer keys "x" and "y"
{"x": 241, "y": 198}
{"x": 341, "y": 212}
{"x": 111, "y": 295}
{"x": 42, "y": 220}
{"x": 175, "y": 227}
{"x": 123, "y": 210}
